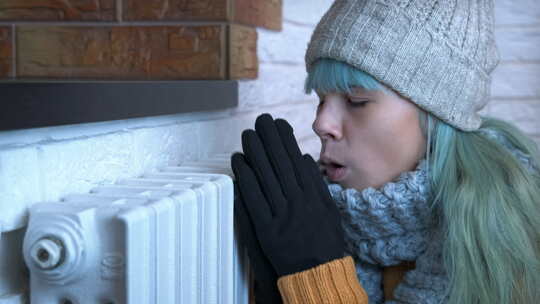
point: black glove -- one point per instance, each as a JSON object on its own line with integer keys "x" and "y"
{"x": 265, "y": 289}
{"x": 295, "y": 220}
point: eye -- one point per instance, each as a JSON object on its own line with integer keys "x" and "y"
{"x": 357, "y": 102}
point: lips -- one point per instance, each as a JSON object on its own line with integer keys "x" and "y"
{"x": 333, "y": 169}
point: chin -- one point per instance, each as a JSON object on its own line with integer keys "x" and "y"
{"x": 355, "y": 186}
{"x": 345, "y": 184}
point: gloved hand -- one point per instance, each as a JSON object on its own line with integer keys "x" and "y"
{"x": 265, "y": 289}
{"x": 293, "y": 216}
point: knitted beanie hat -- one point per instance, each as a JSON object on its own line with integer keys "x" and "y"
{"x": 437, "y": 53}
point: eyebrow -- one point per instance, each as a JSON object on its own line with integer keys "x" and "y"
{"x": 360, "y": 90}
{"x": 355, "y": 92}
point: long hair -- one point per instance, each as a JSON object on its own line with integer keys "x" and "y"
{"x": 489, "y": 202}
{"x": 487, "y": 198}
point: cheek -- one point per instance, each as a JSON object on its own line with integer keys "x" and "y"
{"x": 399, "y": 122}
{"x": 384, "y": 145}
{"x": 408, "y": 129}
{"x": 401, "y": 141}
{"x": 367, "y": 143}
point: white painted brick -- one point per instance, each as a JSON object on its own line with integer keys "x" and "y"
{"x": 524, "y": 113}
{"x": 51, "y": 170}
{"x": 289, "y": 45}
{"x": 19, "y": 185}
{"x": 485, "y": 110}
{"x": 518, "y": 43}
{"x": 76, "y": 166}
{"x": 225, "y": 135}
{"x": 311, "y": 145}
{"x": 222, "y": 135}
{"x": 276, "y": 84}
{"x": 307, "y": 12}
{"x": 517, "y": 12}
{"x": 512, "y": 12}
{"x": 73, "y": 159}
{"x": 300, "y": 117}
{"x": 167, "y": 145}
{"x": 516, "y": 80}
{"x": 17, "y": 138}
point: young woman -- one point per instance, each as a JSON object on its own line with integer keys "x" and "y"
{"x": 413, "y": 173}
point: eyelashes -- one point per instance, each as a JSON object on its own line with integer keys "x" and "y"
{"x": 357, "y": 103}
{"x": 351, "y": 102}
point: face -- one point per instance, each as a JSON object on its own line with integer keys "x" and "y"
{"x": 368, "y": 137}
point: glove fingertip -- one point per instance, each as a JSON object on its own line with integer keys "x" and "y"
{"x": 308, "y": 157}
{"x": 312, "y": 164}
{"x": 237, "y": 159}
{"x": 246, "y": 134}
{"x": 319, "y": 180}
{"x": 282, "y": 123}
{"x": 264, "y": 118}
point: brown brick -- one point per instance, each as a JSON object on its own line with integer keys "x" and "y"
{"x": 263, "y": 13}
{"x": 151, "y": 52}
{"x": 243, "y": 52}
{"x": 43, "y": 10}
{"x": 5, "y": 52}
{"x": 178, "y": 10}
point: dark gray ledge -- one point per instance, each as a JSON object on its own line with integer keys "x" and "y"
{"x": 33, "y": 104}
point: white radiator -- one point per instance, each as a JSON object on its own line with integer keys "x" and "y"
{"x": 166, "y": 237}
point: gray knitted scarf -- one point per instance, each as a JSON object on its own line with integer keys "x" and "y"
{"x": 390, "y": 225}
{"x": 395, "y": 223}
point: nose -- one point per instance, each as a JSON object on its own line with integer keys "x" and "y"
{"x": 327, "y": 124}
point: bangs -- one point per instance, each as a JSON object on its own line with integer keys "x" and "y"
{"x": 332, "y": 76}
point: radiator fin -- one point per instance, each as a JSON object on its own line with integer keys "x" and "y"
{"x": 166, "y": 237}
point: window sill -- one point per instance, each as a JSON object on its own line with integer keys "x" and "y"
{"x": 34, "y": 104}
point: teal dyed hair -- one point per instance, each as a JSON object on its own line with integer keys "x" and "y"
{"x": 487, "y": 201}
{"x": 489, "y": 204}
{"x": 331, "y": 76}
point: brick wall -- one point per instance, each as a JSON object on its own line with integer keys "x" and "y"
{"x": 515, "y": 85}
{"x": 48, "y": 163}
{"x": 45, "y": 164}
{"x": 131, "y": 39}
{"x": 516, "y": 81}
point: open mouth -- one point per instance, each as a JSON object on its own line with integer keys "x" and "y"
{"x": 334, "y": 166}
{"x": 334, "y": 171}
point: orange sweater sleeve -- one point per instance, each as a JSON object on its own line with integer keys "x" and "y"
{"x": 334, "y": 282}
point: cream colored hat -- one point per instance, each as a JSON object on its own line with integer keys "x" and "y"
{"x": 437, "y": 53}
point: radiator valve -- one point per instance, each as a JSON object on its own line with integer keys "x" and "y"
{"x": 47, "y": 253}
